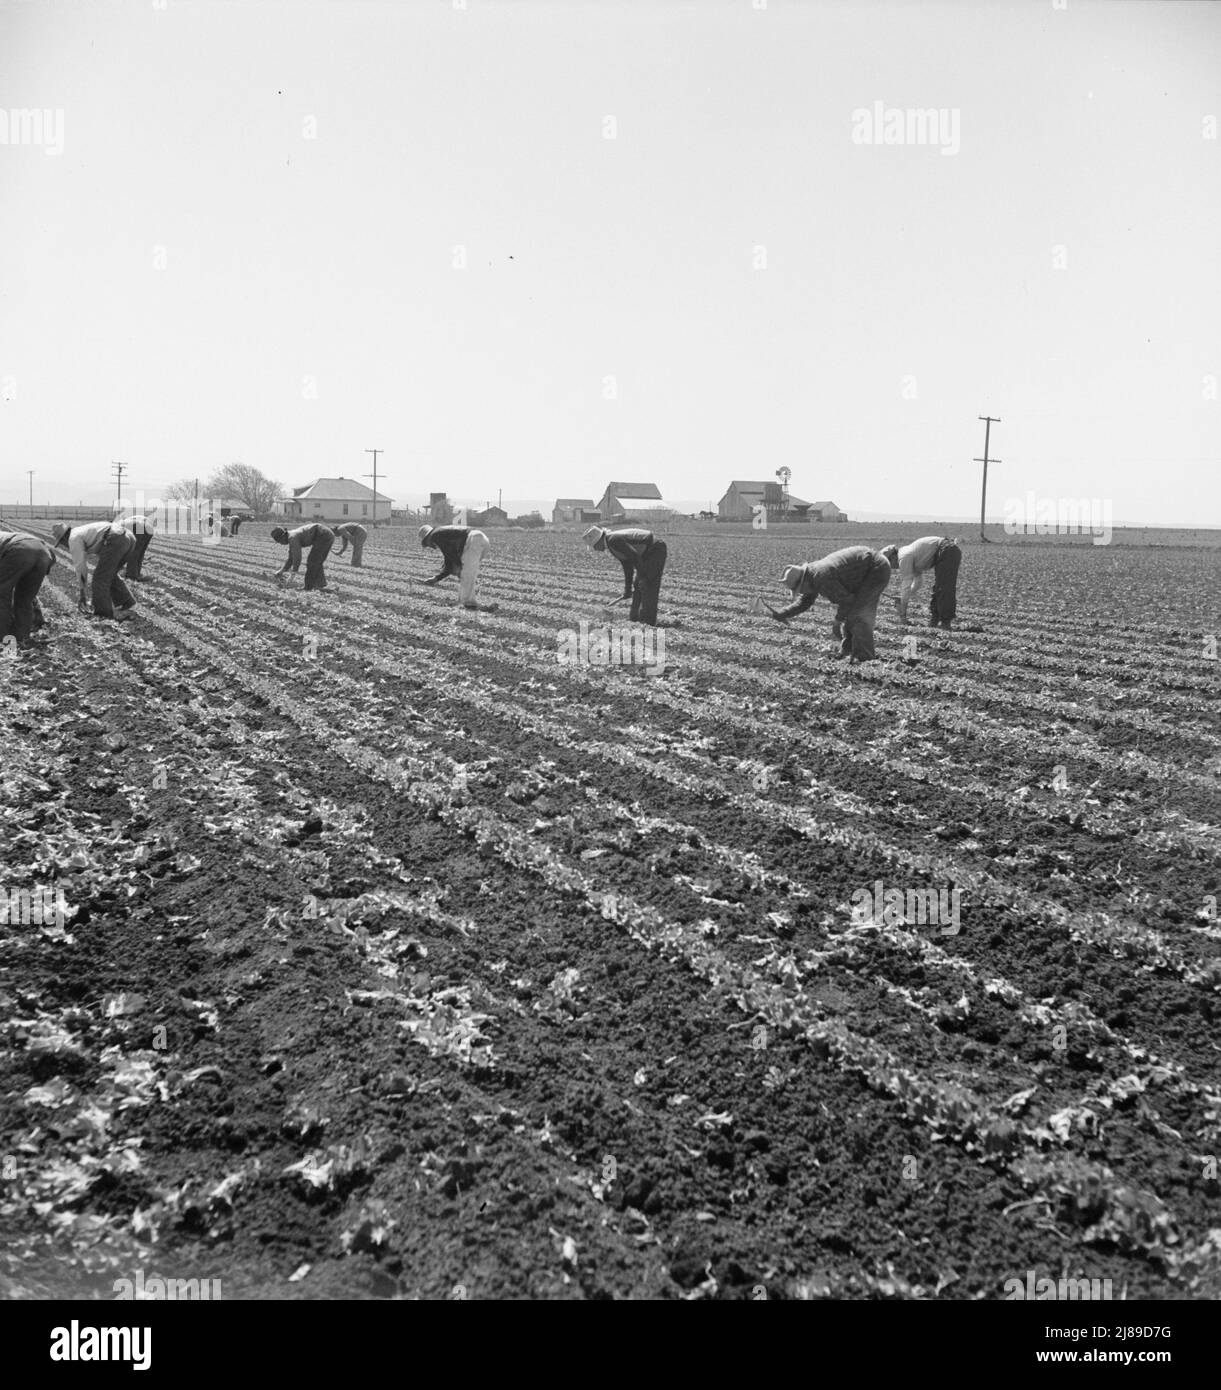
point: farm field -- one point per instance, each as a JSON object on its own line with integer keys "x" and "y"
{"x": 398, "y": 958}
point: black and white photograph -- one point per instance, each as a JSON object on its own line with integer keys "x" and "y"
{"x": 609, "y": 679}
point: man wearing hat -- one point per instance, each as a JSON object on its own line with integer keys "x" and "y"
{"x": 318, "y": 539}
{"x": 350, "y": 531}
{"x": 643, "y": 558}
{"x": 108, "y": 545}
{"x": 462, "y": 551}
{"x": 939, "y": 554}
{"x": 854, "y": 579}
{"x": 25, "y": 561}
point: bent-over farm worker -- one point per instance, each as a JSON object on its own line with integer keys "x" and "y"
{"x": 943, "y": 557}
{"x": 854, "y": 579}
{"x": 108, "y": 545}
{"x": 462, "y": 551}
{"x": 357, "y": 535}
{"x": 142, "y": 527}
{"x": 643, "y": 558}
{"x": 318, "y": 539}
{"x": 25, "y": 561}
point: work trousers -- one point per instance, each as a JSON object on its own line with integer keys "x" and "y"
{"x": 135, "y": 561}
{"x": 647, "y": 587}
{"x": 109, "y": 590}
{"x": 24, "y": 564}
{"x": 473, "y": 551}
{"x": 315, "y": 575}
{"x": 943, "y": 605}
{"x": 858, "y": 614}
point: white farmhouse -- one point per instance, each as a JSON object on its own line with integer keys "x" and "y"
{"x": 336, "y": 499}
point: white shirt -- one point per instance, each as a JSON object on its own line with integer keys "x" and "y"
{"x": 914, "y": 560}
{"x": 138, "y": 525}
{"x": 87, "y": 540}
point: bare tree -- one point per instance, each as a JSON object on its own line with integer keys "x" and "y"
{"x": 257, "y": 493}
{"x": 183, "y": 491}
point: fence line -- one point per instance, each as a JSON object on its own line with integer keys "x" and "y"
{"x": 23, "y": 511}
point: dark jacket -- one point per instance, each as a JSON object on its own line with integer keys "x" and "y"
{"x": 629, "y": 547}
{"x": 305, "y": 536}
{"x": 350, "y": 531}
{"x": 450, "y": 541}
{"x": 836, "y": 577}
{"x": 11, "y": 538}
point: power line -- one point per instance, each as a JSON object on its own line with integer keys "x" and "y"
{"x": 118, "y": 469}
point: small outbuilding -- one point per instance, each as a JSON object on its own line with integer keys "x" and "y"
{"x": 568, "y": 509}
{"x": 827, "y": 511}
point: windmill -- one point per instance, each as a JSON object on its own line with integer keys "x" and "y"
{"x": 784, "y": 473}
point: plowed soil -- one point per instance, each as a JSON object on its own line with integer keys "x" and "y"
{"x": 398, "y": 958}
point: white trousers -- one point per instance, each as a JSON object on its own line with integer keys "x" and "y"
{"x": 472, "y": 557}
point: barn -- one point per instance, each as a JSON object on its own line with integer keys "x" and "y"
{"x": 634, "y": 502}
{"x": 741, "y": 499}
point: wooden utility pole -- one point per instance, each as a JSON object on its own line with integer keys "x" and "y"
{"x": 118, "y": 470}
{"x": 30, "y": 471}
{"x": 983, "y": 497}
{"x": 373, "y": 475}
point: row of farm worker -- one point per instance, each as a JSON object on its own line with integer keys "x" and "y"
{"x": 853, "y": 579}
{"x": 116, "y": 549}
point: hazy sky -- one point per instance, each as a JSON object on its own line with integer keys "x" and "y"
{"x": 246, "y": 249}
